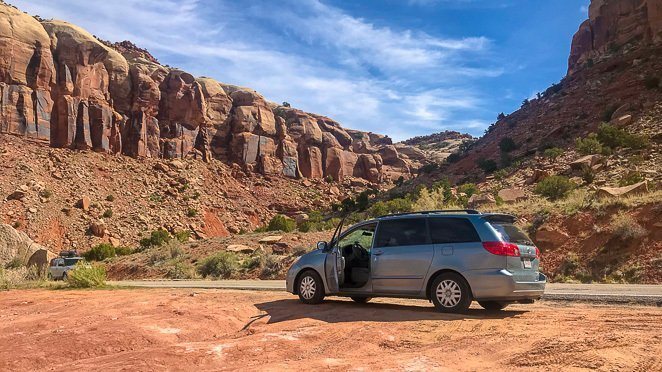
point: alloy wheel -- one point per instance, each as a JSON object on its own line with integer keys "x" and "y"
{"x": 448, "y": 293}
{"x": 307, "y": 287}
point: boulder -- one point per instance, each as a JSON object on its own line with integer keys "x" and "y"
{"x": 478, "y": 200}
{"x": 41, "y": 258}
{"x": 271, "y": 239}
{"x": 512, "y": 195}
{"x": 637, "y": 188}
{"x": 98, "y": 228}
{"x": 15, "y": 244}
{"x": 84, "y": 203}
{"x": 537, "y": 176}
{"x": 588, "y": 161}
{"x": 239, "y": 248}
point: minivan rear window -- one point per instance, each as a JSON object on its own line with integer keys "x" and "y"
{"x": 448, "y": 230}
{"x": 511, "y": 233}
{"x": 401, "y": 232}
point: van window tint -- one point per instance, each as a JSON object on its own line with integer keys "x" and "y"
{"x": 511, "y": 233}
{"x": 401, "y": 232}
{"x": 445, "y": 230}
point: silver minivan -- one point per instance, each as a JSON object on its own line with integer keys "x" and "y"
{"x": 448, "y": 257}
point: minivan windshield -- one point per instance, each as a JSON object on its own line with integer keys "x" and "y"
{"x": 511, "y": 233}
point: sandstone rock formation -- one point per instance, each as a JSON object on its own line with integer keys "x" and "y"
{"x": 15, "y": 244}
{"x": 61, "y": 85}
{"x": 613, "y": 24}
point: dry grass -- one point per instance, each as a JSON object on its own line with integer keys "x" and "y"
{"x": 576, "y": 201}
{"x": 626, "y": 227}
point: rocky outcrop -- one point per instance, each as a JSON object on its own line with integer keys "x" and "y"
{"x": 15, "y": 245}
{"x": 60, "y": 84}
{"x": 613, "y": 24}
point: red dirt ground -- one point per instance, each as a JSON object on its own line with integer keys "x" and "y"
{"x": 155, "y": 330}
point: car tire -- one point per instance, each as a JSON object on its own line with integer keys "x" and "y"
{"x": 310, "y": 288}
{"x": 450, "y": 293}
{"x": 361, "y": 300}
{"x": 64, "y": 276}
{"x": 493, "y": 305}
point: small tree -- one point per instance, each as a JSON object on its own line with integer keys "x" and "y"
{"x": 554, "y": 187}
{"x": 553, "y": 153}
{"x": 507, "y": 144}
{"x": 589, "y": 145}
{"x": 281, "y": 223}
{"x": 487, "y": 165}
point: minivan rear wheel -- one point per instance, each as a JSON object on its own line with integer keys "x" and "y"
{"x": 493, "y": 305}
{"x": 450, "y": 293}
{"x": 310, "y": 288}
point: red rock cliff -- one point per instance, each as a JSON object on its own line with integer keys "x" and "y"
{"x": 615, "y": 24}
{"x": 60, "y": 84}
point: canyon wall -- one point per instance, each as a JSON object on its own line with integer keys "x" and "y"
{"x": 61, "y": 85}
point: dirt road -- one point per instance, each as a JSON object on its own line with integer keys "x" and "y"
{"x": 186, "y": 329}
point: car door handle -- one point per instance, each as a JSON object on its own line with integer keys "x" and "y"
{"x": 378, "y": 252}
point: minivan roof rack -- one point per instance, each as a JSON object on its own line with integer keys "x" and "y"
{"x": 467, "y": 211}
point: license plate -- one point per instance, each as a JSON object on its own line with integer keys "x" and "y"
{"x": 527, "y": 263}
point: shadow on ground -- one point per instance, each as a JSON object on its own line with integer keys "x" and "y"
{"x": 339, "y": 311}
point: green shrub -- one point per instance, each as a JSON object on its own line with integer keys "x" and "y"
{"x": 630, "y": 179}
{"x": 553, "y": 153}
{"x": 468, "y": 189}
{"x": 107, "y": 214}
{"x": 191, "y": 212}
{"x": 180, "y": 270}
{"x": 100, "y": 252}
{"x": 46, "y": 193}
{"x": 110, "y": 198}
{"x": 156, "y": 239}
{"x": 454, "y": 157}
{"x": 219, "y": 265}
{"x": 328, "y": 179}
{"x": 626, "y": 227}
{"x": 428, "y": 168}
{"x": 281, "y": 223}
{"x": 589, "y": 145}
{"x": 554, "y": 187}
{"x": 155, "y": 197}
{"x": 271, "y": 266}
{"x": 251, "y": 263}
{"x": 487, "y": 165}
{"x": 183, "y": 236}
{"x": 614, "y": 137}
{"x": 588, "y": 175}
{"x": 86, "y": 275}
{"x": 507, "y": 144}
{"x": 123, "y": 251}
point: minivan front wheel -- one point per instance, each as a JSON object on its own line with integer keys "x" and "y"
{"x": 310, "y": 288}
{"x": 450, "y": 293}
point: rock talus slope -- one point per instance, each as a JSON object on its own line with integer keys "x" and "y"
{"x": 60, "y": 84}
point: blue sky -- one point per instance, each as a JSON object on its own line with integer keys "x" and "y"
{"x": 397, "y": 67}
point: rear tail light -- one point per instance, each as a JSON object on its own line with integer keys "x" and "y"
{"x": 502, "y": 248}
{"x": 537, "y": 253}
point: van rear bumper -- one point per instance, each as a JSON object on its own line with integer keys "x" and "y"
{"x": 501, "y": 285}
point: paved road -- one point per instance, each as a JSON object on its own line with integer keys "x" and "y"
{"x": 634, "y": 293}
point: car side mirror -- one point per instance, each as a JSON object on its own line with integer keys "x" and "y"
{"x": 322, "y": 245}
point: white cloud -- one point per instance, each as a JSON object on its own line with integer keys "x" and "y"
{"x": 367, "y": 76}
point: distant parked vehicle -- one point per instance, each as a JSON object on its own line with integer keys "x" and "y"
{"x": 448, "y": 257}
{"x": 60, "y": 266}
